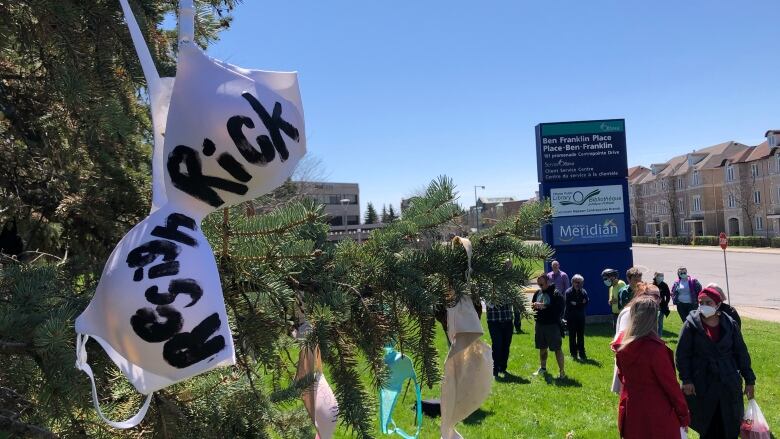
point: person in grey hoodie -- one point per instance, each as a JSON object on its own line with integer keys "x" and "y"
{"x": 713, "y": 361}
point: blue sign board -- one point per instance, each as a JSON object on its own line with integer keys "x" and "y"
{"x": 581, "y": 150}
{"x": 583, "y": 169}
{"x": 588, "y": 230}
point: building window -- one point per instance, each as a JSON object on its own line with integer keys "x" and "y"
{"x": 682, "y": 225}
{"x": 754, "y": 170}
{"x": 757, "y": 197}
{"x": 759, "y": 223}
{"x": 680, "y": 205}
{"x": 648, "y": 229}
{"x": 777, "y": 163}
{"x": 732, "y": 201}
{"x": 679, "y": 183}
{"x": 730, "y": 173}
{"x": 697, "y": 203}
{"x": 695, "y": 178}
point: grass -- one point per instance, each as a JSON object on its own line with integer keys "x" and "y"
{"x": 534, "y": 407}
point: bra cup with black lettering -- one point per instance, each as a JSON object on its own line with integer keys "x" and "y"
{"x": 183, "y": 281}
{"x": 232, "y": 134}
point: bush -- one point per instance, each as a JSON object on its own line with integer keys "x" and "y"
{"x": 736, "y": 241}
{"x": 748, "y": 241}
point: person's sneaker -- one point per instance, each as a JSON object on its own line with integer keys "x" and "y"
{"x": 562, "y": 376}
{"x": 540, "y": 371}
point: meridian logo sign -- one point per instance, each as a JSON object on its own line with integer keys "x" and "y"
{"x": 594, "y": 229}
{"x": 589, "y": 200}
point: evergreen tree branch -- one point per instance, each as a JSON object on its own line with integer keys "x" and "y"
{"x": 11, "y": 348}
{"x": 25, "y": 430}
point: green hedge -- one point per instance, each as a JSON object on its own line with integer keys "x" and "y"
{"x": 736, "y": 241}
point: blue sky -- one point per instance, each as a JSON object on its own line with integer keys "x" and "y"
{"x": 396, "y": 93}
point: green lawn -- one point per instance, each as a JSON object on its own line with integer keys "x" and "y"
{"x": 535, "y": 407}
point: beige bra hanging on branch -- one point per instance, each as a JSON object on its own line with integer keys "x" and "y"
{"x": 222, "y": 135}
{"x": 468, "y": 369}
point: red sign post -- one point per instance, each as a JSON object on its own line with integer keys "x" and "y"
{"x": 724, "y": 242}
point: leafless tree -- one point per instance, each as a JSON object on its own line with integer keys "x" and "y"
{"x": 742, "y": 192}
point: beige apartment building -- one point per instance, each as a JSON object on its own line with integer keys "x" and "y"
{"x": 751, "y": 195}
{"x": 729, "y": 187}
{"x": 683, "y": 196}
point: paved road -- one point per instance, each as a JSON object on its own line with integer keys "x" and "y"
{"x": 754, "y": 278}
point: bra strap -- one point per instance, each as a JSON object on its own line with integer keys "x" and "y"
{"x": 186, "y": 21}
{"x": 150, "y": 72}
{"x": 81, "y": 364}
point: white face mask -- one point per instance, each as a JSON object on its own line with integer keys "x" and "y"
{"x": 230, "y": 135}
{"x": 607, "y": 282}
{"x": 659, "y": 279}
{"x": 707, "y": 311}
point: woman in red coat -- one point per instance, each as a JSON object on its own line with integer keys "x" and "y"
{"x": 652, "y": 404}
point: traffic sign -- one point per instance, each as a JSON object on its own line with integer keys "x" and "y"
{"x": 724, "y": 240}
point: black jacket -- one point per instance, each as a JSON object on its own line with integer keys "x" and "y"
{"x": 716, "y": 370}
{"x": 580, "y": 299}
{"x": 551, "y": 314}
{"x": 731, "y": 312}
{"x": 666, "y": 296}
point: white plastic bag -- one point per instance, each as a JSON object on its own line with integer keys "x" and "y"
{"x": 683, "y": 433}
{"x": 754, "y": 424}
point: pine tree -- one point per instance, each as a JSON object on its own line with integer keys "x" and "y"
{"x": 74, "y": 127}
{"x": 391, "y": 216}
{"x": 384, "y": 219}
{"x": 371, "y": 216}
{"x": 357, "y": 298}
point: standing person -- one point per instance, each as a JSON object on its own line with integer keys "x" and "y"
{"x": 613, "y": 284}
{"x": 685, "y": 291}
{"x": 548, "y": 303}
{"x": 576, "y": 301}
{"x": 634, "y": 276}
{"x": 499, "y": 322}
{"x": 712, "y": 360}
{"x": 641, "y": 289}
{"x": 724, "y": 307}
{"x": 658, "y": 280}
{"x": 651, "y": 402}
{"x": 559, "y": 278}
{"x": 518, "y": 316}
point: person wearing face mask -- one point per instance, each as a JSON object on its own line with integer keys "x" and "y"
{"x": 685, "y": 290}
{"x": 651, "y": 403}
{"x": 610, "y": 278}
{"x": 724, "y": 307}
{"x": 713, "y": 361}
{"x": 640, "y": 289}
{"x": 658, "y": 280}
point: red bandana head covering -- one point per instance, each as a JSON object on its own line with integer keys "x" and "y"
{"x": 712, "y": 294}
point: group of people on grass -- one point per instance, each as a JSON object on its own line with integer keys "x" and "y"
{"x": 711, "y": 358}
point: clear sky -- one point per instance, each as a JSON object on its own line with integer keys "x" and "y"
{"x": 398, "y": 92}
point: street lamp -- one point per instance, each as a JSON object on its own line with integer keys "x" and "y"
{"x": 476, "y": 208}
{"x": 344, "y": 202}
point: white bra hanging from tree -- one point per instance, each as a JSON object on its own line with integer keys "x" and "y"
{"x": 222, "y": 135}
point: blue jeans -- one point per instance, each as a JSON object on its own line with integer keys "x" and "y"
{"x": 660, "y": 324}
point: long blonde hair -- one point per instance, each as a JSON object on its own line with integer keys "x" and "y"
{"x": 644, "y": 320}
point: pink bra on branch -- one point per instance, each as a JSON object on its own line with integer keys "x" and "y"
{"x": 222, "y": 135}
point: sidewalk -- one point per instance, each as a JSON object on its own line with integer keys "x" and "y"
{"x": 714, "y": 248}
